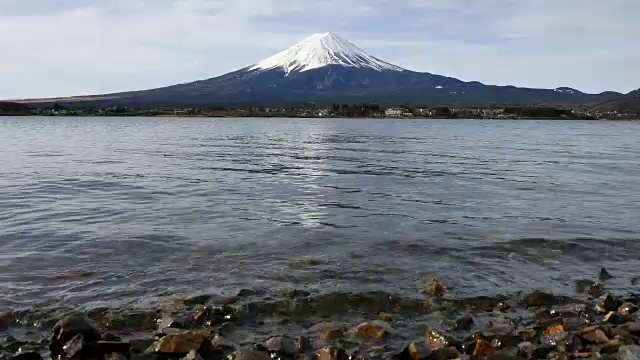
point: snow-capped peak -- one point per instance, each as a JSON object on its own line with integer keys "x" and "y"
{"x": 320, "y": 50}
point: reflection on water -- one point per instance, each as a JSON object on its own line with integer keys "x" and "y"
{"x": 104, "y": 210}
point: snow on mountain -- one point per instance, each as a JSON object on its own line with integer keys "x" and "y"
{"x": 320, "y": 50}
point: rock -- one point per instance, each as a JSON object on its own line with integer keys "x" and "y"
{"x": 326, "y": 331}
{"x": 595, "y": 290}
{"x": 540, "y": 298}
{"x": 595, "y": 336}
{"x": 110, "y": 347}
{"x": 332, "y": 335}
{"x": 504, "y": 307}
{"x": 193, "y": 355}
{"x": 181, "y": 343}
{"x": 372, "y": 330}
{"x": 627, "y": 309}
{"x": 529, "y": 350}
{"x": 447, "y": 353}
{"x": 75, "y": 347}
{"x": 604, "y": 274}
{"x": 554, "y": 339}
{"x": 435, "y": 288}
{"x": 31, "y": 355}
{"x": 483, "y": 348}
{"x": 504, "y": 357}
{"x": 527, "y": 334}
{"x": 332, "y": 353}
{"x": 613, "y": 318}
{"x": 303, "y": 345}
{"x": 629, "y": 352}
{"x": 634, "y": 328}
{"x": 606, "y": 303}
{"x": 464, "y": 323}
{"x": 385, "y": 316}
{"x": 282, "y": 345}
{"x": 419, "y": 351}
{"x": 167, "y": 323}
{"x": 69, "y": 327}
{"x": 115, "y": 356}
{"x": 138, "y": 346}
{"x": 250, "y": 355}
{"x": 556, "y": 329}
{"x": 437, "y": 340}
{"x": 7, "y": 318}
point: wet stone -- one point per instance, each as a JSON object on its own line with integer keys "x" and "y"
{"x": 282, "y": 345}
{"x": 192, "y": 355}
{"x": 180, "y": 343}
{"x": 483, "y": 349}
{"x": 69, "y": 327}
{"x": 606, "y": 303}
{"x": 595, "y": 335}
{"x": 75, "y": 347}
{"x": 437, "y": 340}
{"x": 372, "y": 330}
{"x": 115, "y": 356}
{"x": 614, "y": 319}
{"x": 7, "y": 318}
{"x": 540, "y": 298}
{"x": 464, "y": 323}
{"x": 169, "y": 323}
{"x": 556, "y": 329}
{"x": 139, "y": 346}
{"x": 250, "y": 355}
{"x": 629, "y": 353}
{"x": 605, "y": 275}
{"x": 504, "y": 357}
{"x": 418, "y": 351}
{"x": 435, "y": 288}
{"x": 303, "y": 345}
{"x": 332, "y": 353}
{"x": 447, "y": 353}
{"x": 627, "y": 309}
{"x": 31, "y": 355}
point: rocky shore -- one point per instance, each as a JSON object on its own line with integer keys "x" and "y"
{"x": 534, "y": 325}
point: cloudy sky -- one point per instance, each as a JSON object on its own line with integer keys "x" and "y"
{"x": 73, "y": 47}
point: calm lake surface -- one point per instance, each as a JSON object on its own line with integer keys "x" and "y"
{"x": 130, "y": 211}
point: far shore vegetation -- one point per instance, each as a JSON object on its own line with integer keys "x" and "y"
{"x": 336, "y": 111}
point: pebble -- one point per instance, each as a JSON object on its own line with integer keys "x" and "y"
{"x": 372, "y": 330}
{"x": 282, "y": 345}
{"x": 437, "y": 340}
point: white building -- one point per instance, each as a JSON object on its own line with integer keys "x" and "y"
{"x": 394, "y": 112}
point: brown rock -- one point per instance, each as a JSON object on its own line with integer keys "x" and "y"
{"x": 371, "y": 330}
{"x": 595, "y": 335}
{"x": 582, "y": 355}
{"x": 181, "y": 343}
{"x": 435, "y": 288}
{"x": 385, "y": 316}
{"x": 504, "y": 307}
{"x": 332, "y": 335}
{"x": 483, "y": 348}
{"x": 556, "y": 329}
{"x": 326, "y": 331}
{"x": 202, "y": 315}
{"x": 540, "y": 298}
{"x": 282, "y": 345}
{"x": 7, "y": 318}
{"x": 606, "y": 303}
{"x": 332, "y": 353}
{"x": 627, "y": 309}
{"x": 437, "y": 340}
{"x": 613, "y": 318}
{"x": 527, "y": 334}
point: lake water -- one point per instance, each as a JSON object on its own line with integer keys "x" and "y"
{"x": 130, "y": 211}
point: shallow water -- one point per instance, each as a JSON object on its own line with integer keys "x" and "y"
{"x": 132, "y": 211}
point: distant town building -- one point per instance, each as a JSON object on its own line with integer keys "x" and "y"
{"x": 395, "y": 112}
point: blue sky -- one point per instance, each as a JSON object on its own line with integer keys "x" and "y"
{"x": 74, "y": 47}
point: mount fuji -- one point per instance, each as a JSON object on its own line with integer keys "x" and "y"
{"x": 325, "y": 69}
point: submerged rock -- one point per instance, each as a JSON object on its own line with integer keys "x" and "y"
{"x": 464, "y": 323}
{"x": 435, "y": 288}
{"x": 282, "y": 345}
{"x": 604, "y": 274}
{"x": 540, "y": 298}
{"x": 69, "y": 327}
{"x": 627, "y": 309}
{"x": 250, "y": 355}
{"x": 303, "y": 345}
{"x": 595, "y": 335}
{"x": 372, "y": 330}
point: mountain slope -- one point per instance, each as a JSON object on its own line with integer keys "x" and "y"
{"x": 325, "y": 68}
{"x": 629, "y": 104}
